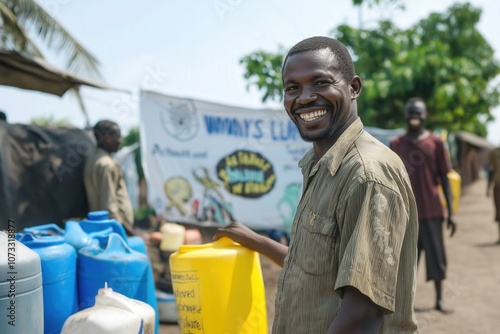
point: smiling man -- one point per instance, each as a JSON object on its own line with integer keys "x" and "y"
{"x": 351, "y": 263}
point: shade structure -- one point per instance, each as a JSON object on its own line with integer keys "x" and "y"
{"x": 22, "y": 71}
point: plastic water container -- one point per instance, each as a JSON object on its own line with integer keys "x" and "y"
{"x": 455, "y": 187}
{"x": 125, "y": 270}
{"x": 173, "y": 237}
{"x": 112, "y": 313}
{"x": 218, "y": 288}
{"x": 58, "y": 259}
{"x": 21, "y": 299}
{"x": 99, "y": 226}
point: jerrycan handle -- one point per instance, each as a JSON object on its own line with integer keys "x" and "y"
{"x": 116, "y": 244}
{"x": 225, "y": 242}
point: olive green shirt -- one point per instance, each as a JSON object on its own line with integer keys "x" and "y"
{"x": 106, "y": 188}
{"x": 356, "y": 225}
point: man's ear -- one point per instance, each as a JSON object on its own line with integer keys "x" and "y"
{"x": 355, "y": 87}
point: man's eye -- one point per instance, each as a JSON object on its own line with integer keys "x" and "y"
{"x": 290, "y": 88}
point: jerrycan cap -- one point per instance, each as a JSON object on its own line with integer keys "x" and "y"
{"x": 98, "y": 215}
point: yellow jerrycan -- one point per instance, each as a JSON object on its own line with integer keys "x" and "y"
{"x": 455, "y": 188}
{"x": 219, "y": 289}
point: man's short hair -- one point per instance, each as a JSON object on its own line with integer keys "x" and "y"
{"x": 104, "y": 127}
{"x": 3, "y": 116}
{"x": 414, "y": 100}
{"x": 338, "y": 49}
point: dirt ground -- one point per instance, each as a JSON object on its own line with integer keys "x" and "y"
{"x": 473, "y": 285}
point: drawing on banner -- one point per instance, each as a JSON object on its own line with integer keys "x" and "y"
{"x": 212, "y": 206}
{"x": 247, "y": 174}
{"x": 178, "y": 192}
{"x": 180, "y": 120}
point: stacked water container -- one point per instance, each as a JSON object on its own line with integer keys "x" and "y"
{"x": 105, "y": 255}
{"x": 21, "y": 299}
{"x": 58, "y": 259}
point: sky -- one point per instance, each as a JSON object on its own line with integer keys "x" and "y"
{"x": 192, "y": 49}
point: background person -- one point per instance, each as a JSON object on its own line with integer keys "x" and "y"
{"x": 427, "y": 162}
{"x": 494, "y": 182}
{"x": 103, "y": 177}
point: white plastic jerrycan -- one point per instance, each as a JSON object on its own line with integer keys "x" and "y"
{"x": 112, "y": 313}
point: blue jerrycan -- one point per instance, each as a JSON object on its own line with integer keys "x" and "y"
{"x": 99, "y": 224}
{"x": 58, "y": 260}
{"x": 124, "y": 270}
{"x": 21, "y": 299}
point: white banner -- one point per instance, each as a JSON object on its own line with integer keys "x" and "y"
{"x": 207, "y": 162}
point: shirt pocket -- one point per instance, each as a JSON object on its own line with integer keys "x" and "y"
{"x": 317, "y": 241}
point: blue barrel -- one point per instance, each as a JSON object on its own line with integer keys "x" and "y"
{"x": 58, "y": 259}
{"x": 21, "y": 299}
{"x": 124, "y": 270}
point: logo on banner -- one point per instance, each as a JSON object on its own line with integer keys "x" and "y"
{"x": 179, "y": 119}
{"x": 246, "y": 174}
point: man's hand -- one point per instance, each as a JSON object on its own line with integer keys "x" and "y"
{"x": 238, "y": 233}
{"x": 451, "y": 226}
{"x": 254, "y": 241}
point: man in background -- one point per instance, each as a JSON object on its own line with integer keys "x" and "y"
{"x": 426, "y": 160}
{"x": 103, "y": 177}
{"x": 494, "y": 182}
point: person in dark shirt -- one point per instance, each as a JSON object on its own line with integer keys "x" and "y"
{"x": 426, "y": 160}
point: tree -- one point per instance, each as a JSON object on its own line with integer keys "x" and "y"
{"x": 131, "y": 138}
{"x": 443, "y": 59}
{"x": 19, "y": 17}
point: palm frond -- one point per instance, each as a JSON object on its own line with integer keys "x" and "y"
{"x": 31, "y": 15}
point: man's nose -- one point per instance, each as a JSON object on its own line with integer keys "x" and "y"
{"x": 307, "y": 96}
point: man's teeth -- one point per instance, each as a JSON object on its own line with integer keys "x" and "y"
{"x": 312, "y": 115}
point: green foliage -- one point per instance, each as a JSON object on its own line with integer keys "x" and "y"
{"x": 49, "y": 121}
{"x": 442, "y": 59}
{"x": 263, "y": 69}
{"x": 131, "y": 138}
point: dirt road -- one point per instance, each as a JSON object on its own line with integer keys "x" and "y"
{"x": 473, "y": 285}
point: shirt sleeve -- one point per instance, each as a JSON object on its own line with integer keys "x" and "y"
{"x": 374, "y": 226}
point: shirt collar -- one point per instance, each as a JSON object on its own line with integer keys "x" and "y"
{"x": 333, "y": 157}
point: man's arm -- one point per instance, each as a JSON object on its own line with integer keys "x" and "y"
{"x": 107, "y": 199}
{"x": 491, "y": 175}
{"x": 445, "y": 182}
{"x": 357, "y": 314}
{"x": 241, "y": 234}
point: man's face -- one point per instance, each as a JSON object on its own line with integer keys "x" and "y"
{"x": 316, "y": 96}
{"x": 415, "y": 114}
{"x": 112, "y": 140}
